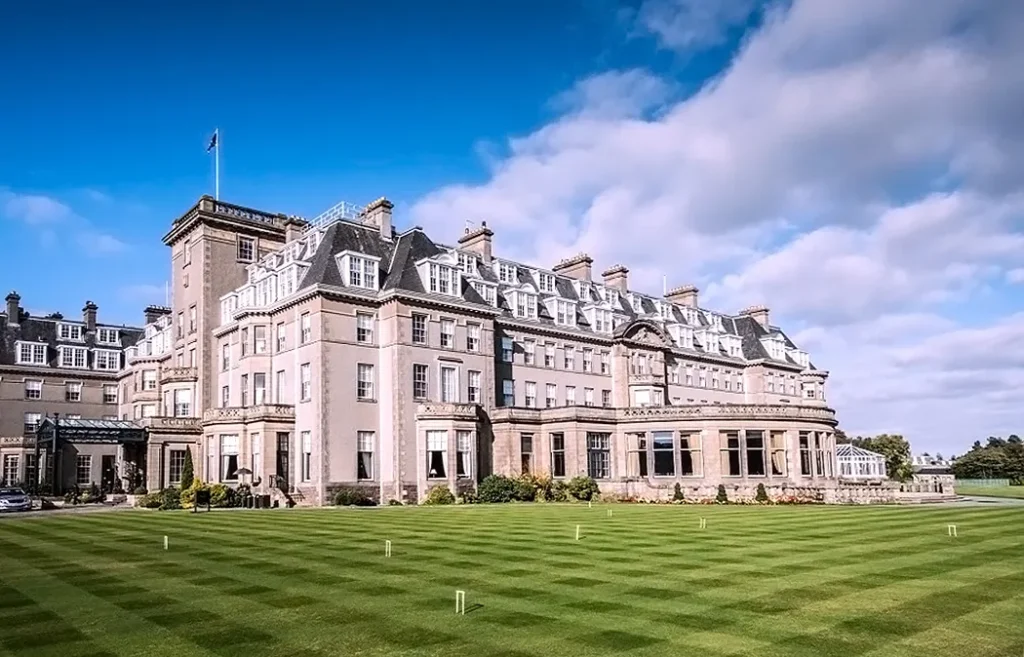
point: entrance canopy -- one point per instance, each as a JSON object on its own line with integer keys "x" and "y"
{"x": 90, "y": 431}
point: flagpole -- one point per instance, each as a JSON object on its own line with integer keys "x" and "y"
{"x": 216, "y": 165}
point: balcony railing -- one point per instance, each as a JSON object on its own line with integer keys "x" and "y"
{"x": 647, "y": 379}
{"x": 685, "y": 412}
{"x": 160, "y": 423}
{"x": 443, "y": 410}
{"x": 178, "y": 374}
{"x": 272, "y": 412}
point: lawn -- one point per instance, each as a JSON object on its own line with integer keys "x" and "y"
{"x": 764, "y": 582}
{"x": 992, "y": 491}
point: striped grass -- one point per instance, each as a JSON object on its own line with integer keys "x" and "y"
{"x": 992, "y": 491}
{"x": 772, "y": 581}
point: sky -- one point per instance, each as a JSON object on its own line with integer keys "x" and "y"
{"x": 855, "y": 165}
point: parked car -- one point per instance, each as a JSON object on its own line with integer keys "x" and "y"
{"x": 14, "y": 499}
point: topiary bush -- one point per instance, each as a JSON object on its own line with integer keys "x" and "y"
{"x": 171, "y": 499}
{"x": 523, "y": 489}
{"x": 150, "y": 500}
{"x": 677, "y": 494}
{"x": 722, "y": 498}
{"x": 761, "y": 495}
{"x": 583, "y": 488}
{"x": 352, "y": 497}
{"x": 188, "y": 472}
{"x": 439, "y": 495}
{"x": 496, "y": 489}
{"x": 221, "y": 496}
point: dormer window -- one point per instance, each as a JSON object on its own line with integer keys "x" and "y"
{"x": 31, "y": 353}
{"x": 683, "y": 335}
{"x": 565, "y": 313}
{"x": 800, "y": 357}
{"x": 359, "y": 270}
{"x": 711, "y": 342}
{"x": 71, "y": 332}
{"x": 227, "y": 309}
{"x": 733, "y": 345}
{"x": 636, "y": 302}
{"x": 107, "y": 336}
{"x": 665, "y": 310}
{"x": 467, "y": 263}
{"x": 546, "y": 282}
{"x": 583, "y": 289}
{"x": 601, "y": 320}
{"x": 524, "y": 305}
{"x": 774, "y": 346}
{"x": 487, "y": 292}
{"x": 507, "y": 273}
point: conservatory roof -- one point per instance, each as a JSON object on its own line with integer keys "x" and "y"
{"x": 846, "y": 450}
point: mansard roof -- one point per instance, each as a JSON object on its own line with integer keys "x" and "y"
{"x": 44, "y": 330}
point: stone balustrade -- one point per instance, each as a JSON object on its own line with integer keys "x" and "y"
{"x": 688, "y": 412}
{"x": 178, "y": 375}
{"x": 17, "y": 441}
{"x": 265, "y": 412}
{"x": 172, "y": 424}
{"x": 445, "y": 410}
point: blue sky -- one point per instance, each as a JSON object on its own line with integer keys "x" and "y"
{"x": 857, "y": 165}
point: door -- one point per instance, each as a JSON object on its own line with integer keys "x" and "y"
{"x": 107, "y": 473}
{"x": 283, "y": 465}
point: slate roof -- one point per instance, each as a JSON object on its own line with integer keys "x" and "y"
{"x": 44, "y": 329}
{"x": 398, "y": 258}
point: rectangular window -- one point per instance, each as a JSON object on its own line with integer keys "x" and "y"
{"x": 442, "y": 279}
{"x": 598, "y": 455}
{"x": 364, "y": 457}
{"x": 449, "y": 384}
{"x": 175, "y": 466}
{"x": 805, "y": 453}
{"x": 191, "y": 357}
{"x": 508, "y": 392}
{"x": 637, "y": 466}
{"x": 71, "y": 332}
{"x": 245, "y": 341}
{"x": 83, "y": 469}
{"x": 730, "y": 442}
{"x": 305, "y": 382}
{"x": 183, "y": 403}
{"x": 419, "y": 381}
{"x": 507, "y": 349}
{"x": 364, "y": 328}
{"x": 246, "y": 249}
{"x": 31, "y": 353}
{"x": 225, "y": 396}
{"x": 11, "y": 473}
{"x": 282, "y": 334}
{"x": 778, "y": 453}
{"x": 192, "y": 319}
{"x": 419, "y": 329}
{"x": 605, "y": 363}
{"x": 551, "y": 396}
{"x": 472, "y": 337}
{"x": 107, "y": 336}
{"x": 279, "y": 387}
{"x": 529, "y": 347}
{"x": 362, "y": 272}
{"x": 557, "y": 454}
{"x": 588, "y": 360}
{"x": 546, "y": 282}
{"x": 259, "y": 339}
{"x": 259, "y": 388}
{"x": 447, "y": 333}
{"x": 364, "y": 387}
{"x": 245, "y": 390}
{"x": 606, "y": 398}
{"x": 507, "y": 273}
{"x": 755, "y": 453}
{"x": 75, "y": 357}
{"x": 437, "y": 454}
{"x": 664, "y": 454}
{"x": 32, "y": 421}
{"x": 487, "y": 292}
{"x": 181, "y": 325}
{"x": 588, "y": 396}
{"x": 107, "y": 360}
{"x": 229, "y": 457}
{"x": 306, "y": 438}
{"x": 31, "y": 471}
{"x": 110, "y": 394}
{"x": 464, "y": 453}
{"x": 255, "y": 462}
{"x": 305, "y": 328}
{"x": 531, "y": 394}
{"x": 570, "y": 395}
{"x": 474, "y": 388}
{"x": 549, "y": 356}
{"x": 33, "y": 389}
{"x": 570, "y": 358}
{"x": 690, "y": 462}
{"x": 225, "y": 357}
{"x": 73, "y": 391}
{"x": 819, "y": 454}
{"x": 526, "y": 453}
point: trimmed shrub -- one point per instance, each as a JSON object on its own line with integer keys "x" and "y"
{"x": 722, "y": 498}
{"x": 171, "y": 499}
{"x": 761, "y": 495}
{"x": 583, "y": 488}
{"x": 221, "y": 496}
{"x": 188, "y": 473}
{"x": 523, "y": 489}
{"x": 439, "y": 495}
{"x": 468, "y": 497}
{"x": 559, "y": 491}
{"x": 677, "y": 494}
{"x": 351, "y": 497}
{"x": 187, "y": 498}
{"x": 150, "y": 500}
{"x": 496, "y": 488}
{"x": 394, "y": 502}
{"x": 141, "y": 490}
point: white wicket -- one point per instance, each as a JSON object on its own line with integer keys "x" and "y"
{"x": 590, "y": 505}
{"x": 609, "y": 513}
{"x": 387, "y": 548}
{"x": 577, "y": 532}
{"x": 460, "y": 602}
{"x": 951, "y": 531}
{"x": 166, "y": 542}
{"x": 703, "y": 523}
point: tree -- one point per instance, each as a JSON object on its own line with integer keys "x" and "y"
{"x": 896, "y": 451}
{"x": 187, "y": 470}
{"x": 841, "y": 436}
{"x": 999, "y": 459}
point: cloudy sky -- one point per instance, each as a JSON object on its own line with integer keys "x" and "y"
{"x": 856, "y": 165}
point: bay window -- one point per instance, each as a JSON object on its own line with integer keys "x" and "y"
{"x": 437, "y": 454}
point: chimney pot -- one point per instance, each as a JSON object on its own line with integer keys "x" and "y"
{"x": 759, "y": 314}
{"x": 684, "y": 295}
{"x": 378, "y": 213}
{"x": 13, "y": 309}
{"x": 479, "y": 241}
{"x": 617, "y": 277}
{"x": 577, "y": 267}
{"x": 89, "y": 316}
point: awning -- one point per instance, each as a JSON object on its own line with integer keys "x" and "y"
{"x": 90, "y": 431}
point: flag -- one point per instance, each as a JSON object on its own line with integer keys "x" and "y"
{"x": 213, "y": 142}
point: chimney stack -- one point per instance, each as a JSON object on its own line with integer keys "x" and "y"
{"x": 13, "y": 310}
{"x": 478, "y": 241}
{"x": 378, "y": 214}
{"x": 684, "y": 295}
{"x": 89, "y": 316}
{"x": 577, "y": 267}
{"x": 153, "y": 313}
{"x": 759, "y": 314}
{"x": 293, "y": 227}
{"x": 617, "y": 276}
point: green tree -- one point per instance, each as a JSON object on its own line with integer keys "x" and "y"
{"x": 187, "y": 470}
{"x": 896, "y": 451}
{"x": 998, "y": 459}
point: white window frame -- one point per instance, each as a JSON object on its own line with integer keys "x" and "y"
{"x": 365, "y": 328}
{"x": 110, "y": 336}
{"x": 360, "y": 270}
{"x": 36, "y": 352}
{"x": 365, "y": 382}
{"x": 449, "y": 392}
{"x": 104, "y": 358}
{"x": 70, "y": 332}
{"x": 76, "y": 354}
{"x": 245, "y": 243}
{"x": 447, "y": 333}
{"x": 305, "y": 382}
{"x": 33, "y": 389}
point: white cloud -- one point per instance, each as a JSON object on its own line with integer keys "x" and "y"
{"x": 97, "y": 244}
{"x": 49, "y": 219}
{"x": 33, "y": 209}
{"x": 687, "y": 24}
{"x": 1015, "y": 275}
{"x": 143, "y": 293}
{"x": 858, "y": 167}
